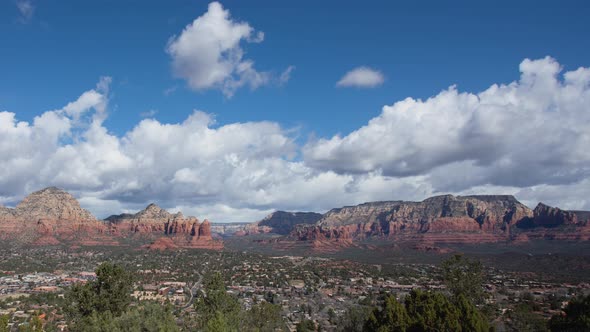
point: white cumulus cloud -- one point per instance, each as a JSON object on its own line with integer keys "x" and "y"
{"x": 208, "y": 53}
{"x": 530, "y": 132}
{"x": 361, "y": 77}
{"x": 528, "y": 138}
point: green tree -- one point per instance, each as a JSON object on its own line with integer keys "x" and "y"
{"x": 34, "y": 325}
{"x": 113, "y": 287}
{"x": 463, "y": 276}
{"x": 354, "y": 319}
{"x": 305, "y": 325}
{"x": 431, "y": 312}
{"x": 522, "y": 318}
{"x": 218, "y": 323}
{"x": 470, "y": 318}
{"x": 393, "y": 317}
{"x": 576, "y": 316}
{"x": 4, "y": 319}
{"x": 217, "y": 305}
{"x": 150, "y": 317}
{"x": 103, "y": 299}
{"x": 264, "y": 317}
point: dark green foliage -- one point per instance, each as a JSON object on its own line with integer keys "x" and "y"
{"x": 522, "y": 318}
{"x": 393, "y": 317}
{"x": 576, "y": 317}
{"x": 470, "y": 318}
{"x": 426, "y": 311}
{"x": 34, "y": 325}
{"x": 109, "y": 292}
{"x": 463, "y": 276}
{"x": 354, "y": 319}
{"x": 105, "y": 298}
{"x": 216, "y": 308}
{"x": 4, "y": 323}
{"x": 219, "y": 311}
{"x": 306, "y": 325}
{"x": 431, "y": 312}
{"x": 263, "y": 317}
{"x": 150, "y": 317}
{"x": 218, "y": 323}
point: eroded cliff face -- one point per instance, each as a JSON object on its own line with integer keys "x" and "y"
{"x": 156, "y": 223}
{"x": 551, "y": 223}
{"x": 437, "y": 219}
{"x": 547, "y": 216}
{"x": 51, "y": 216}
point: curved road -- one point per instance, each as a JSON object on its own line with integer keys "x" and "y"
{"x": 193, "y": 291}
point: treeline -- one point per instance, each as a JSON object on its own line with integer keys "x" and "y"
{"x": 429, "y": 310}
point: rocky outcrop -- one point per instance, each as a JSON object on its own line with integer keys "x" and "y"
{"x": 444, "y": 218}
{"x": 51, "y": 216}
{"x": 156, "y": 223}
{"x": 551, "y": 223}
{"x": 52, "y": 203}
{"x": 281, "y": 222}
{"x": 547, "y": 216}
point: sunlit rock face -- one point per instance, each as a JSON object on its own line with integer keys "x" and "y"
{"x": 51, "y": 216}
{"x": 443, "y": 219}
{"x": 157, "y": 223}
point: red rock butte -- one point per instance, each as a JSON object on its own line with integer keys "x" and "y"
{"x": 53, "y": 216}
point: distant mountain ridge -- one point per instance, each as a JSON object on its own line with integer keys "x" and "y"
{"x": 52, "y": 216}
{"x": 443, "y": 219}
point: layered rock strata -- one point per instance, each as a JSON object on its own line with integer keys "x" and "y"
{"x": 51, "y": 216}
{"x": 154, "y": 222}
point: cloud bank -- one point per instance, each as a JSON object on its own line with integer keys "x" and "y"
{"x": 529, "y": 138}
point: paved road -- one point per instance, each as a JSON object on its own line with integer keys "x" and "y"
{"x": 193, "y": 290}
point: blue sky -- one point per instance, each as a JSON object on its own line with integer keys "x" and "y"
{"x": 422, "y": 47}
{"x": 54, "y": 51}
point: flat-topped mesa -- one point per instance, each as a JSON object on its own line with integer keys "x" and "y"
{"x": 490, "y": 212}
{"x": 487, "y": 218}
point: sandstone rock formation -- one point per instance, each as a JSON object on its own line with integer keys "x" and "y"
{"x": 547, "y": 216}
{"x": 51, "y": 216}
{"x": 154, "y": 222}
{"x": 445, "y": 219}
{"x": 551, "y": 223}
